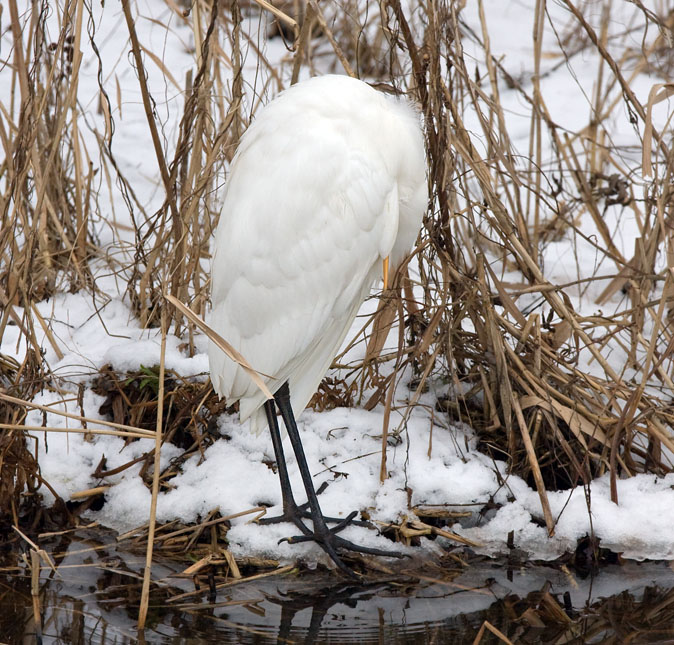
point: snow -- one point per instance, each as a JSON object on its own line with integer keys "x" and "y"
{"x": 343, "y": 446}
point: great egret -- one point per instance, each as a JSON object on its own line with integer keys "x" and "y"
{"x": 326, "y": 191}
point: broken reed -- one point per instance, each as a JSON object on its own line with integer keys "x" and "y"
{"x": 515, "y": 374}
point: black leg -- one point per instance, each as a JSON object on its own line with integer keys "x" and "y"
{"x": 321, "y": 533}
{"x": 291, "y": 511}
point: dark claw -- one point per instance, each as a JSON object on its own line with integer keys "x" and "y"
{"x": 321, "y": 488}
{"x": 341, "y": 543}
{"x": 302, "y": 511}
{"x": 292, "y": 515}
{"x": 330, "y": 542}
{"x": 311, "y": 537}
{"x": 344, "y": 523}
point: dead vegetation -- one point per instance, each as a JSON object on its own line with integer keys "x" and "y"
{"x": 524, "y": 368}
{"x": 19, "y": 471}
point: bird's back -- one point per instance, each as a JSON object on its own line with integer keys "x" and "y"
{"x": 328, "y": 180}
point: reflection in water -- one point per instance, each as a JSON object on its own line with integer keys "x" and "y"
{"x": 93, "y": 597}
{"x": 319, "y": 604}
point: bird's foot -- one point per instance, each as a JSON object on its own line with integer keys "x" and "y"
{"x": 330, "y": 542}
{"x": 291, "y": 513}
{"x": 295, "y": 513}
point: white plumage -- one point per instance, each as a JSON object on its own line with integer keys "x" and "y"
{"x": 327, "y": 182}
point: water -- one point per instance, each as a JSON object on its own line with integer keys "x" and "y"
{"x": 94, "y": 594}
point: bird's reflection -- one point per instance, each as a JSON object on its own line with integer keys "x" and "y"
{"x": 320, "y": 602}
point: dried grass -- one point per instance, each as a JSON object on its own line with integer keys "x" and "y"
{"x": 19, "y": 471}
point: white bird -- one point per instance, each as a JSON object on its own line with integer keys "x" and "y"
{"x": 326, "y": 190}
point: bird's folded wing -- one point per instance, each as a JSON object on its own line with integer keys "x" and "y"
{"x": 300, "y": 257}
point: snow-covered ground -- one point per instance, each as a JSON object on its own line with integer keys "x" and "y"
{"x": 342, "y": 445}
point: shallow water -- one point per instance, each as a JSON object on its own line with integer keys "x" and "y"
{"x": 93, "y": 597}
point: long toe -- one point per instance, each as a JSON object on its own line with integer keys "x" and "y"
{"x": 331, "y": 543}
{"x": 343, "y": 522}
{"x": 292, "y": 515}
{"x": 341, "y": 543}
{"x": 303, "y": 512}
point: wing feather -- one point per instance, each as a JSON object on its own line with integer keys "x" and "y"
{"x": 301, "y": 257}
{"x": 327, "y": 181}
